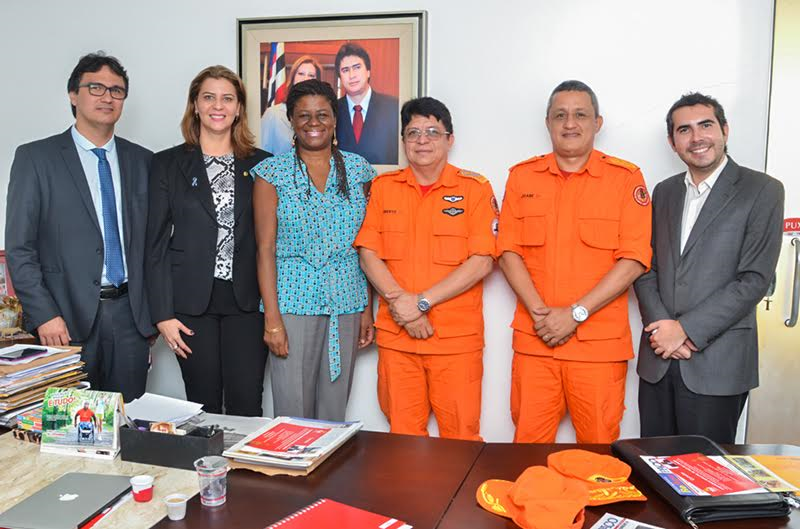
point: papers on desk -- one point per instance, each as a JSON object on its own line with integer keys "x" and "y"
{"x": 23, "y": 353}
{"x": 158, "y": 408}
{"x": 23, "y": 384}
{"x": 292, "y": 443}
{"x": 234, "y": 427}
{"x": 612, "y": 521}
{"x": 700, "y": 475}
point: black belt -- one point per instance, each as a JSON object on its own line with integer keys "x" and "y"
{"x": 112, "y": 292}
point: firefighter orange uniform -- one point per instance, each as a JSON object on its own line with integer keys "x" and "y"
{"x": 570, "y": 231}
{"x": 422, "y": 239}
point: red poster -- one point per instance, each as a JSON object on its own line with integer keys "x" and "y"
{"x": 287, "y": 438}
{"x": 709, "y": 476}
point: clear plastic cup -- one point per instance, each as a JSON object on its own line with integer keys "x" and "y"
{"x": 212, "y": 471}
{"x": 176, "y": 506}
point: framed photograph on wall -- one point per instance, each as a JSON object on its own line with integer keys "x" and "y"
{"x": 374, "y": 62}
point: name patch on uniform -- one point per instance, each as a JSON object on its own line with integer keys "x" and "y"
{"x": 385, "y": 211}
{"x": 530, "y": 195}
{"x": 452, "y": 198}
{"x": 641, "y": 196}
{"x": 453, "y": 211}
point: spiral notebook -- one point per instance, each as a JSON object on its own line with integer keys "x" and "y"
{"x": 329, "y": 514}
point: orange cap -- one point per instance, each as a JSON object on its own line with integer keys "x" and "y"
{"x": 539, "y": 499}
{"x": 606, "y": 476}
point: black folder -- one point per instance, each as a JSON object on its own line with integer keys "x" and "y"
{"x": 696, "y": 509}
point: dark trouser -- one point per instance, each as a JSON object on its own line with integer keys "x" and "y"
{"x": 668, "y": 407}
{"x": 228, "y": 352}
{"x": 117, "y": 357}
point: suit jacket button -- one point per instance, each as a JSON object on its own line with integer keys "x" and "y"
{"x": 96, "y": 283}
{"x": 99, "y": 251}
{"x": 677, "y": 314}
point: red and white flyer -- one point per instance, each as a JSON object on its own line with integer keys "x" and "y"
{"x": 700, "y": 475}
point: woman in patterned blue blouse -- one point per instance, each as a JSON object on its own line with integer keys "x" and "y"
{"x": 309, "y": 204}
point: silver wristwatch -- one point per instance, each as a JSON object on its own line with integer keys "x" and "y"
{"x": 423, "y": 305}
{"x": 579, "y": 313}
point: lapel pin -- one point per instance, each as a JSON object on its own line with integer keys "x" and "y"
{"x": 194, "y": 181}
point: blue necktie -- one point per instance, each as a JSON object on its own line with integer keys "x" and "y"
{"x": 115, "y": 270}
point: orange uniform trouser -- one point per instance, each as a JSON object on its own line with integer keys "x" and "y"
{"x": 410, "y": 384}
{"x": 543, "y": 388}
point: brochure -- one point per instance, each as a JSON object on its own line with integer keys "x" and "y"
{"x": 761, "y": 474}
{"x": 292, "y": 442}
{"x": 700, "y": 475}
{"x": 81, "y": 422}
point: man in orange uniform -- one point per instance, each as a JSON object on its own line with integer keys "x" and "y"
{"x": 427, "y": 242}
{"x": 574, "y": 234}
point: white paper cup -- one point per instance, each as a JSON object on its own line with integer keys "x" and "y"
{"x": 139, "y": 483}
{"x": 176, "y": 506}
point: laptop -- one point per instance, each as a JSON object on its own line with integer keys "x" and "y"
{"x": 69, "y": 502}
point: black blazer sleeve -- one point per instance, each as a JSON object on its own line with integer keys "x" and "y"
{"x": 158, "y": 278}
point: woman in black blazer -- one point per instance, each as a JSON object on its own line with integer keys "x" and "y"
{"x": 200, "y": 254}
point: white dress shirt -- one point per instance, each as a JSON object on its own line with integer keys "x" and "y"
{"x": 89, "y": 163}
{"x": 696, "y": 196}
{"x": 364, "y": 105}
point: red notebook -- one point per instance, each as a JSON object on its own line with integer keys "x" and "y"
{"x": 329, "y": 514}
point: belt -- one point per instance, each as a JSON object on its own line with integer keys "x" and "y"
{"x": 112, "y": 292}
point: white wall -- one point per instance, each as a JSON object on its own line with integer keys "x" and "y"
{"x": 494, "y": 68}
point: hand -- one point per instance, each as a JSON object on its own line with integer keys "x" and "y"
{"x": 403, "y": 307}
{"x": 681, "y": 353}
{"x": 557, "y": 325}
{"x": 421, "y": 328}
{"x": 54, "y": 332}
{"x": 666, "y": 336}
{"x": 366, "y": 333}
{"x": 278, "y": 341}
{"x": 171, "y": 331}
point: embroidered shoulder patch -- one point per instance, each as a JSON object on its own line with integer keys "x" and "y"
{"x": 619, "y": 162}
{"x": 641, "y": 196}
{"x": 472, "y": 174}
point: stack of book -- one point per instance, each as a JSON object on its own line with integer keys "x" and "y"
{"x": 29, "y": 425}
{"x": 27, "y": 371}
{"x": 289, "y": 443}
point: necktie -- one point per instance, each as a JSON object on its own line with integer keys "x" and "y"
{"x": 358, "y": 122}
{"x": 115, "y": 270}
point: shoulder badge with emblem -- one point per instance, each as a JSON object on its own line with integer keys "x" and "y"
{"x": 472, "y": 174}
{"x": 619, "y": 162}
{"x": 641, "y": 196}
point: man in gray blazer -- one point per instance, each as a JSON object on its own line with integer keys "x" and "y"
{"x": 716, "y": 240}
{"x": 75, "y": 226}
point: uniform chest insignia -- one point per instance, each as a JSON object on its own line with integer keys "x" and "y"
{"x": 452, "y": 198}
{"x": 453, "y": 211}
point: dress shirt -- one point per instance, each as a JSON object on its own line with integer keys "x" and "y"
{"x": 696, "y": 196}
{"x": 89, "y": 163}
{"x": 364, "y": 105}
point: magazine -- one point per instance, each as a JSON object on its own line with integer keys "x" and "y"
{"x": 700, "y": 475}
{"x": 762, "y": 475}
{"x": 81, "y": 422}
{"x": 290, "y": 442}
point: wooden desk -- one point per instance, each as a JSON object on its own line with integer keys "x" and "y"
{"x": 507, "y": 461}
{"x": 410, "y": 478}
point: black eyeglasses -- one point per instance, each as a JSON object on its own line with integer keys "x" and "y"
{"x": 98, "y": 89}
{"x": 432, "y": 133}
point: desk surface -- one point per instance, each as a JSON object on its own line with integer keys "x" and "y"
{"x": 409, "y": 478}
{"x": 25, "y": 470}
{"x": 507, "y": 461}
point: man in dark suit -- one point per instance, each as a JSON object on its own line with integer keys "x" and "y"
{"x": 367, "y": 120}
{"x": 75, "y": 226}
{"x": 716, "y": 240}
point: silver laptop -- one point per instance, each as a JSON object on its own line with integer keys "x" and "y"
{"x": 69, "y": 502}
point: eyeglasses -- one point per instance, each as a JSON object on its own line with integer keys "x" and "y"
{"x": 98, "y": 89}
{"x": 432, "y": 133}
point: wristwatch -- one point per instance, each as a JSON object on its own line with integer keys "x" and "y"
{"x": 579, "y": 313}
{"x": 423, "y": 305}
